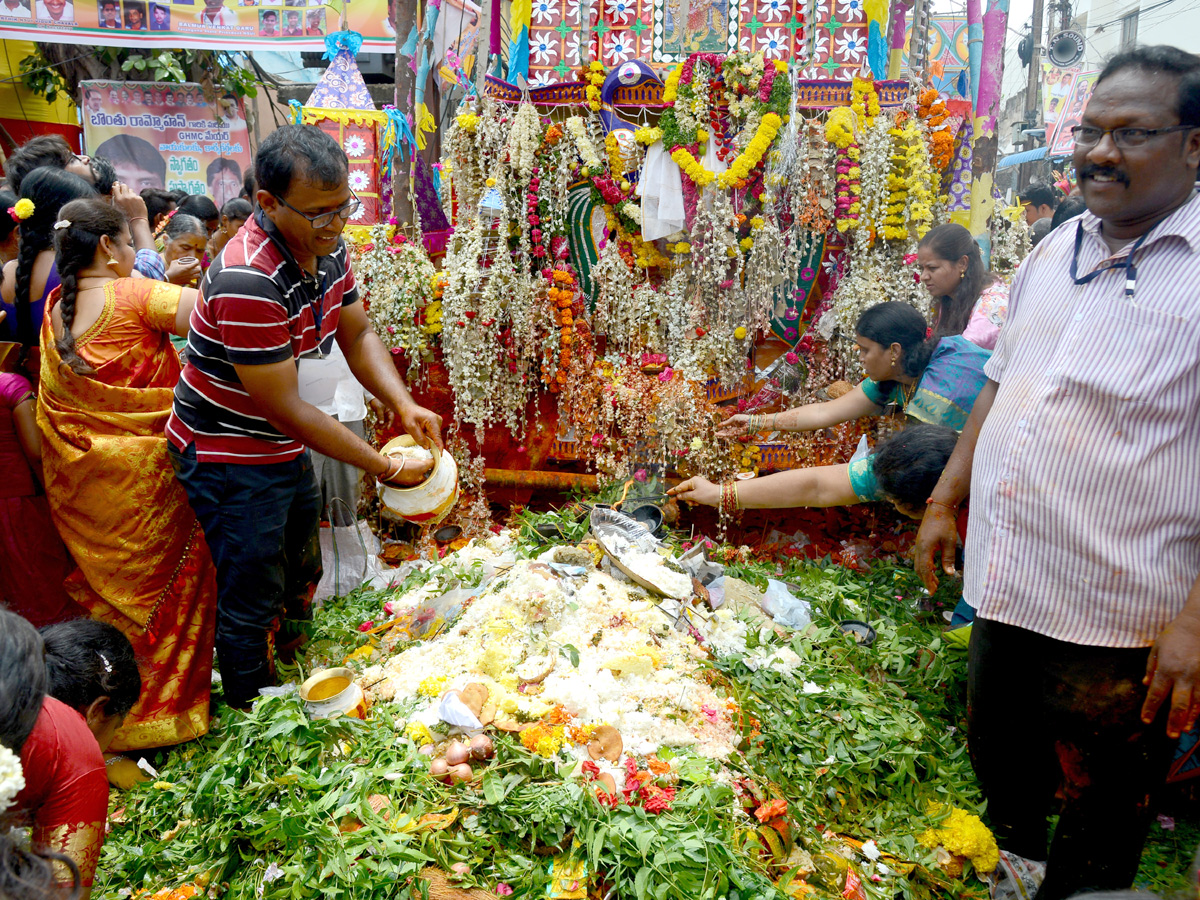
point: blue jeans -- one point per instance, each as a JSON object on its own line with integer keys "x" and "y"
{"x": 261, "y": 523}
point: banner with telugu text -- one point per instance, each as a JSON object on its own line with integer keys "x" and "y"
{"x": 201, "y": 24}
{"x": 166, "y": 136}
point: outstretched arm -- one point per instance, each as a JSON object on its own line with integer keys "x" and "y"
{"x": 850, "y": 406}
{"x": 372, "y": 365}
{"x": 819, "y": 486}
{"x": 275, "y": 389}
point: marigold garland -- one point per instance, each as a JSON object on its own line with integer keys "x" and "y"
{"x": 864, "y": 100}
{"x": 963, "y": 835}
{"x": 751, "y": 88}
{"x": 593, "y": 76}
{"x": 932, "y": 109}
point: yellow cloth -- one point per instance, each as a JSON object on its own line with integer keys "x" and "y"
{"x": 142, "y": 562}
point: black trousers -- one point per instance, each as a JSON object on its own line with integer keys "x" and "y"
{"x": 1051, "y": 719}
{"x": 261, "y": 523}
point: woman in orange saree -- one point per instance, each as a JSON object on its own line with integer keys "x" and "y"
{"x": 108, "y": 375}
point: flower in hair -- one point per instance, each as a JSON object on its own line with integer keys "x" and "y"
{"x": 61, "y": 224}
{"x": 23, "y": 210}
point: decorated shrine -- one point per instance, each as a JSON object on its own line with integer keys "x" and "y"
{"x": 639, "y": 250}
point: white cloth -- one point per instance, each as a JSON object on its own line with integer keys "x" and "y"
{"x": 20, "y": 12}
{"x": 661, "y": 190}
{"x": 67, "y": 17}
{"x": 330, "y": 386}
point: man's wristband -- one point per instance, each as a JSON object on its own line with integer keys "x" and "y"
{"x": 932, "y": 502}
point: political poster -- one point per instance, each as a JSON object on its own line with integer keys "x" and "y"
{"x": 201, "y": 24}
{"x": 1070, "y": 113}
{"x": 1056, "y": 90}
{"x": 166, "y": 136}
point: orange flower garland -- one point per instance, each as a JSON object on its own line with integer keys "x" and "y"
{"x": 932, "y": 109}
{"x": 562, "y": 297}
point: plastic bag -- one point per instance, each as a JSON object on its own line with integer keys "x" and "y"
{"x": 429, "y": 617}
{"x": 349, "y": 557}
{"x": 785, "y": 607}
{"x": 1015, "y": 878}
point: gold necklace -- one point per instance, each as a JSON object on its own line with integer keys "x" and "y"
{"x": 907, "y": 391}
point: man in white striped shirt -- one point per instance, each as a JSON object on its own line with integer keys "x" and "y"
{"x": 1082, "y": 456}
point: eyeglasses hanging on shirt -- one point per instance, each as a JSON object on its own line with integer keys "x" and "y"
{"x": 1126, "y": 264}
{"x": 317, "y": 307}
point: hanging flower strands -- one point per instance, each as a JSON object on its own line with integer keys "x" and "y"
{"x": 398, "y": 284}
{"x": 839, "y": 131}
{"x": 1010, "y": 240}
{"x": 764, "y": 186}
{"x": 932, "y": 110}
{"x": 910, "y": 202}
{"x": 593, "y": 77}
{"x": 524, "y": 138}
{"x": 489, "y": 301}
{"x": 563, "y": 294}
{"x": 864, "y": 100}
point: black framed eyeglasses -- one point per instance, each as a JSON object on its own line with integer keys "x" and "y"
{"x": 1124, "y": 138}
{"x": 320, "y": 220}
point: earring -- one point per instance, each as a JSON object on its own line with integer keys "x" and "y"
{"x": 962, "y": 275}
{"x": 112, "y": 262}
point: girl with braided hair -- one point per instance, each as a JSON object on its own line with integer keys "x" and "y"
{"x": 29, "y": 279}
{"x": 108, "y": 377}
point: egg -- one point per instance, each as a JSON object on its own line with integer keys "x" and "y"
{"x": 457, "y": 752}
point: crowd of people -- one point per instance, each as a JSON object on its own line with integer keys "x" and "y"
{"x": 160, "y": 501}
{"x": 182, "y": 390}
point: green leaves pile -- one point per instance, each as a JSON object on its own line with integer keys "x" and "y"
{"x": 857, "y": 740}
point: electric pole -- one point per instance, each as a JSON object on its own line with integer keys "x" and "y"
{"x": 1032, "y": 107}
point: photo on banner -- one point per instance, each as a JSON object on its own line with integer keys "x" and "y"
{"x": 1056, "y": 92}
{"x": 201, "y": 24}
{"x": 1061, "y": 142}
{"x": 166, "y": 136}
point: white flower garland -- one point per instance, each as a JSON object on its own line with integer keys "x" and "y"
{"x": 12, "y": 778}
{"x": 577, "y": 128}
{"x": 523, "y": 141}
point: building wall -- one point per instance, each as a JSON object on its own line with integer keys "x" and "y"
{"x": 1175, "y": 22}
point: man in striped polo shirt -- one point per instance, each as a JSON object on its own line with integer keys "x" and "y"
{"x": 1082, "y": 457}
{"x": 281, "y": 289}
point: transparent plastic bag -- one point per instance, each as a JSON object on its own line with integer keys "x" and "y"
{"x": 785, "y": 607}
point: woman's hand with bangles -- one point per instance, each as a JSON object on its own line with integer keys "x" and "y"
{"x": 736, "y": 425}
{"x": 697, "y": 489}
